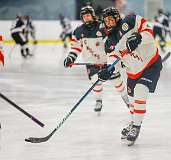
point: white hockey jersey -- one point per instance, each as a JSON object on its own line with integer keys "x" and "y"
{"x": 90, "y": 43}
{"x": 18, "y": 26}
{"x": 146, "y": 53}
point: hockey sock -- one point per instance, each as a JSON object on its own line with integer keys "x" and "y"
{"x": 98, "y": 89}
{"x": 140, "y": 97}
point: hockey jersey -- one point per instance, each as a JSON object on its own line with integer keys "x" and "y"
{"x": 146, "y": 53}
{"x": 18, "y": 26}
{"x": 89, "y": 41}
{"x": 1, "y": 50}
{"x": 164, "y": 20}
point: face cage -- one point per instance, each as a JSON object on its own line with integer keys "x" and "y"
{"x": 113, "y": 18}
{"x": 93, "y": 17}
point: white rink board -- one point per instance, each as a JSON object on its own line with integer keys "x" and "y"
{"x": 44, "y": 29}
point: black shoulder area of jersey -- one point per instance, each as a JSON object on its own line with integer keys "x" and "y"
{"x": 83, "y": 31}
{"x": 128, "y": 23}
{"x": 19, "y": 23}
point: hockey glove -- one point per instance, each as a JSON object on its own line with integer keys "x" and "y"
{"x": 104, "y": 74}
{"x": 68, "y": 62}
{"x": 133, "y": 41}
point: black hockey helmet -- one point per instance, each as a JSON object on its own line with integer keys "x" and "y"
{"x": 114, "y": 12}
{"x": 160, "y": 11}
{"x": 87, "y": 9}
{"x": 111, "y": 11}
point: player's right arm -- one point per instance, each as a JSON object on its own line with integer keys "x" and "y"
{"x": 75, "y": 50}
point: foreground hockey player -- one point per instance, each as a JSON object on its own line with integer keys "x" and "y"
{"x": 132, "y": 41}
{"x": 88, "y": 40}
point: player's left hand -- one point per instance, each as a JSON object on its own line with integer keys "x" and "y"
{"x": 105, "y": 74}
{"x": 133, "y": 41}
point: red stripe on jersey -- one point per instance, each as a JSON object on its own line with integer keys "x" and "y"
{"x": 141, "y": 25}
{"x": 124, "y": 52}
{"x": 1, "y": 39}
{"x": 77, "y": 49}
{"x": 97, "y": 90}
{"x": 98, "y": 84}
{"x": 139, "y": 111}
{"x": 73, "y": 40}
{"x": 137, "y": 75}
{"x": 2, "y": 58}
{"x": 140, "y": 102}
{"x": 114, "y": 55}
{"x": 119, "y": 85}
{"x": 148, "y": 30}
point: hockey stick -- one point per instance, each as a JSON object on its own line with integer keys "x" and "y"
{"x": 166, "y": 57}
{"x": 44, "y": 139}
{"x": 82, "y": 64}
{"x": 22, "y": 110}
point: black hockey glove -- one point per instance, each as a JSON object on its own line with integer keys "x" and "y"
{"x": 133, "y": 41}
{"x": 104, "y": 74}
{"x": 68, "y": 62}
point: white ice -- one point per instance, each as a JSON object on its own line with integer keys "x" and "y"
{"x": 44, "y": 88}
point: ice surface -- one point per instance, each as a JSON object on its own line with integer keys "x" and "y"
{"x": 44, "y": 88}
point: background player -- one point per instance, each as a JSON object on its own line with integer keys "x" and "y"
{"x": 66, "y": 30}
{"x": 18, "y": 33}
{"x": 88, "y": 39}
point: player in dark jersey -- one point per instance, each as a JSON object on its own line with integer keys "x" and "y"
{"x": 18, "y": 34}
{"x": 66, "y": 33}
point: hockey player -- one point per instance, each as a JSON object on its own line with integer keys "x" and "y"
{"x": 18, "y": 34}
{"x": 66, "y": 30}
{"x": 163, "y": 18}
{"x": 159, "y": 31}
{"x": 132, "y": 41}
{"x": 30, "y": 29}
{"x": 161, "y": 28}
{"x": 88, "y": 40}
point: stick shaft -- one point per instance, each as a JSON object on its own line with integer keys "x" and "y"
{"x": 22, "y": 110}
{"x": 81, "y": 64}
{"x": 81, "y": 99}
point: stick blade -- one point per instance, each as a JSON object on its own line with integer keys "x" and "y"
{"x": 36, "y": 140}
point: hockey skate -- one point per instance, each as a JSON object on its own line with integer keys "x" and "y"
{"x": 98, "y": 106}
{"x": 126, "y": 130}
{"x": 133, "y": 135}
